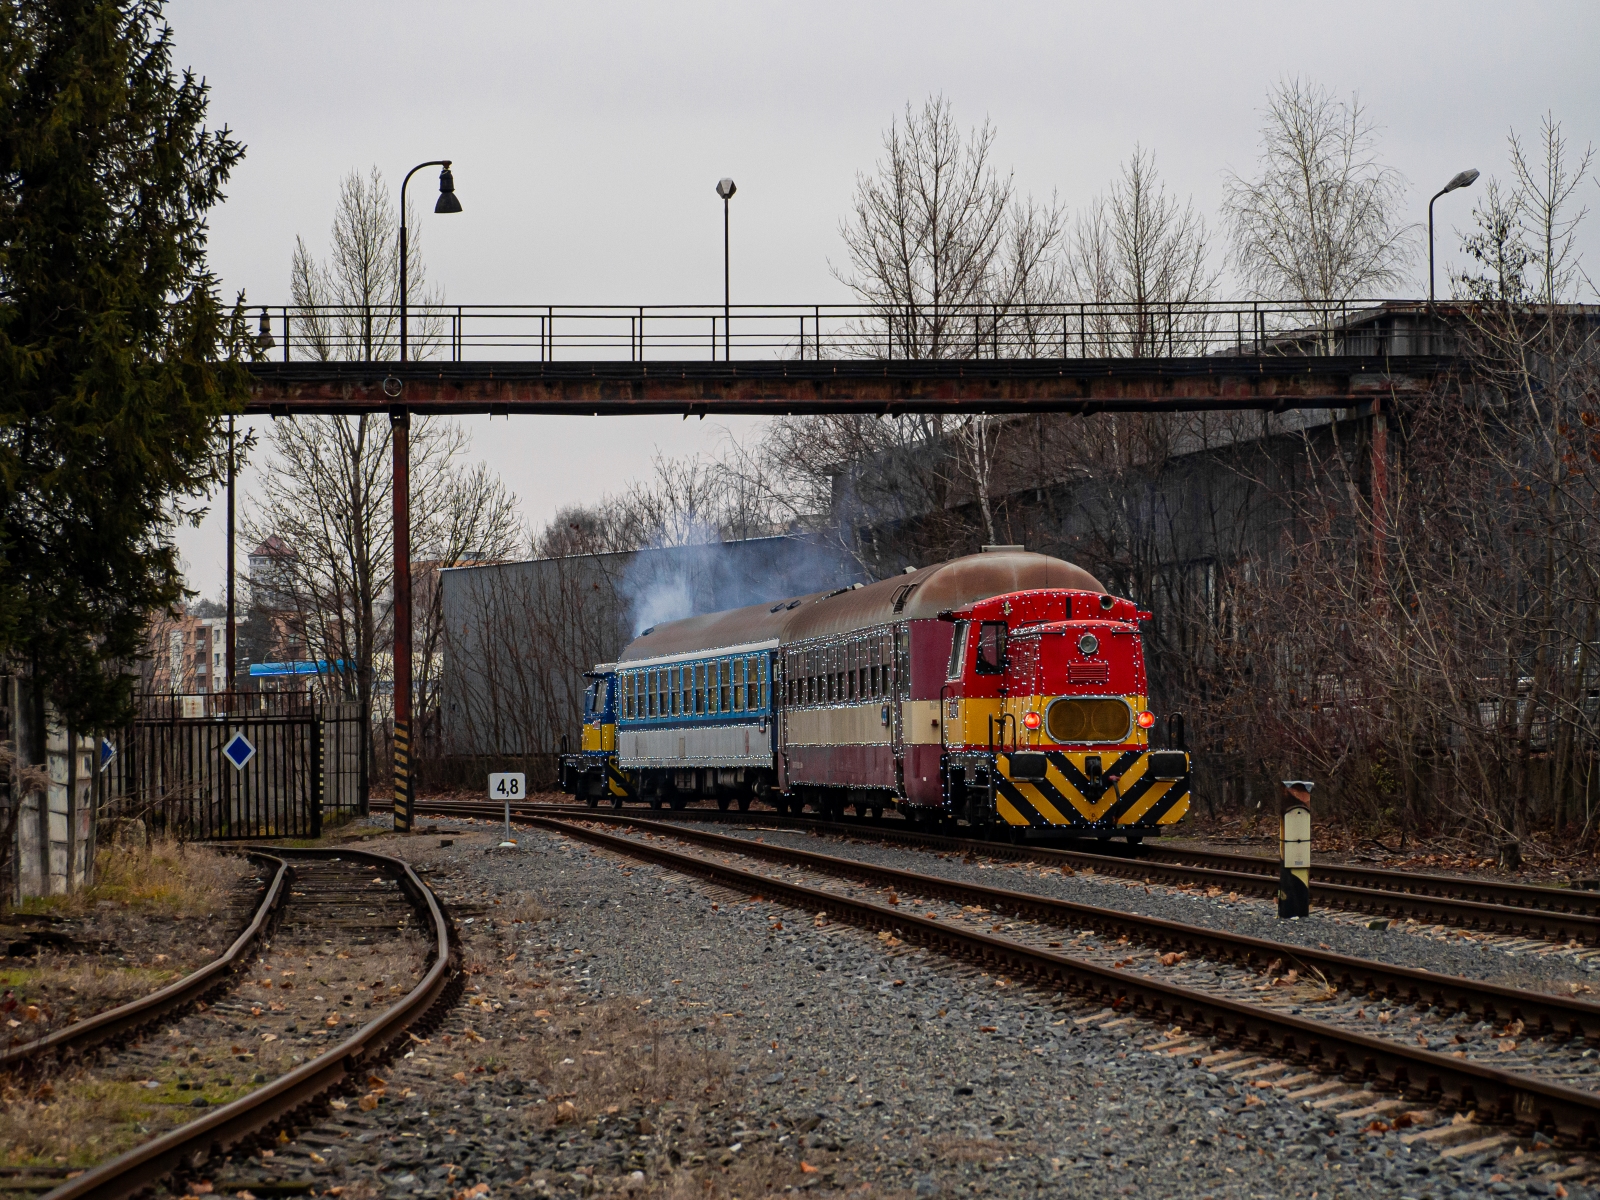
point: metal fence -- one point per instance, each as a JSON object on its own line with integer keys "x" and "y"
{"x": 685, "y": 332}
{"x": 172, "y": 766}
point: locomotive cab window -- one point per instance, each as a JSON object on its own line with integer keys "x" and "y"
{"x": 588, "y": 702}
{"x": 992, "y": 648}
{"x": 958, "y": 652}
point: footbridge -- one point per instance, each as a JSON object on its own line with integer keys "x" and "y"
{"x": 772, "y": 360}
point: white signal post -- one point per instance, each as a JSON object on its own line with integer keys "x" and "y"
{"x": 1294, "y": 880}
{"x": 508, "y": 786}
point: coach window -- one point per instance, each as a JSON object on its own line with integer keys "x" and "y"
{"x": 958, "y": 652}
{"x": 635, "y": 694}
{"x": 761, "y": 668}
{"x": 992, "y": 648}
{"x": 724, "y": 678}
{"x": 738, "y": 667}
{"x": 681, "y": 684}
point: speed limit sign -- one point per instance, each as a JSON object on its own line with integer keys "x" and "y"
{"x": 508, "y": 785}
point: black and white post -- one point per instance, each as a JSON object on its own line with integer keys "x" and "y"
{"x": 1294, "y": 880}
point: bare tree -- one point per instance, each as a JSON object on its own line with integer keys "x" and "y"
{"x": 1545, "y": 190}
{"x": 326, "y": 493}
{"x": 1320, "y": 221}
{"x": 348, "y": 306}
{"x": 939, "y": 247}
{"x": 1142, "y": 259}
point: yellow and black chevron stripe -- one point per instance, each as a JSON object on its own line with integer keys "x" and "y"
{"x": 617, "y": 780}
{"x": 1068, "y": 796}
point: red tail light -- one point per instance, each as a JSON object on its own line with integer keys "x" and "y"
{"x": 1146, "y": 720}
{"x": 1031, "y": 720}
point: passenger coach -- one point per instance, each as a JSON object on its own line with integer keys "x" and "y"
{"x": 1004, "y": 689}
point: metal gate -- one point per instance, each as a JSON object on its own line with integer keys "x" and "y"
{"x": 172, "y": 767}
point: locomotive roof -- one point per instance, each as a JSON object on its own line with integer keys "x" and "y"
{"x": 753, "y": 625}
{"x": 925, "y": 593}
{"x": 946, "y": 585}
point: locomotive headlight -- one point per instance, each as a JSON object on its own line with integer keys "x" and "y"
{"x": 1031, "y": 720}
{"x": 1147, "y": 720}
{"x": 1088, "y": 644}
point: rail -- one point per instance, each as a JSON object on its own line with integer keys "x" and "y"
{"x": 1539, "y": 1011}
{"x": 126, "y": 1174}
{"x": 1559, "y": 922}
{"x": 1386, "y": 1065}
{"x": 125, "y": 1018}
{"x": 685, "y": 332}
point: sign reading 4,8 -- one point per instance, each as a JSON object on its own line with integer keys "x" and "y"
{"x": 508, "y": 785}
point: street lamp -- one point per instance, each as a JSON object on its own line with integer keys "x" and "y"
{"x": 400, "y": 423}
{"x": 725, "y": 189}
{"x": 1461, "y": 180}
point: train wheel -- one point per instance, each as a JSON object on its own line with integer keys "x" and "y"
{"x": 744, "y": 803}
{"x": 655, "y": 801}
{"x": 877, "y": 812}
{"x": 679, "y": 802}
{"x": 722, "y": 803}
{"x": 592, "y": 800}
{"x": 616, "y": 801}
{"x": 1135, "y": 838}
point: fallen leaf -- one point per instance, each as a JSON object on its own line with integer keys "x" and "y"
{"x": 338, "y": 1105}
{"x": 566, "y": 1111}
{"x": 1168, "y": 960}
{"x": 1505, "y": 1046}
{"x": 459, "y": 1077}
{"x": 368, "y": 1102}
{"x": 807, "y": 1168}
{"x": 332, "y": 1020}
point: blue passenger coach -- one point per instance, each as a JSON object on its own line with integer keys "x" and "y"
{"x": 696, "y": 707}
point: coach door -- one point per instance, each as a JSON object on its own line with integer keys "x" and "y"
{"x": 899, "y": 692}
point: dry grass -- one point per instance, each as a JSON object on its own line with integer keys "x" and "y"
{"x": 603, "y": 1059}
{"x": 167, "y": 876}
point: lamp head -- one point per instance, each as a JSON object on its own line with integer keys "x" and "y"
{"x": 1462, "y": 179}
{"x": 264, "y": 338}
{"x": 726, "y": 188}
{"x": 447, "y": 202}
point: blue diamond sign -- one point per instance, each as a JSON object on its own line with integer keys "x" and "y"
{"x": 239, "y": 751}
{"x": 107, "y": 753}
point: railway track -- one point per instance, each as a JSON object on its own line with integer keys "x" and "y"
{"x": 1330, "y": 1046}
{"x": 113, "y": 1024}
{"x": 1554, "y": 914}
{"x": 337, "y": 911}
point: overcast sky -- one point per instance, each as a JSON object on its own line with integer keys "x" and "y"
{"x": 587, "y": 140}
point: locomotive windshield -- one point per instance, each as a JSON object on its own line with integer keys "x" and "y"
{"x": 992, "y": 648}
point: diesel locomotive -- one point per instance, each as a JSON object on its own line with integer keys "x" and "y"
{"x": 1005, "y": 690}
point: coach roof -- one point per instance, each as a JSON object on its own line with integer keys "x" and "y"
{"x": 750, "y": 626}
{"x": 932, "y": 590}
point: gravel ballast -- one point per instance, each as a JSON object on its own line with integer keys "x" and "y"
{"x": 835, "y": 1062}
{"x": 1493, "y": 958}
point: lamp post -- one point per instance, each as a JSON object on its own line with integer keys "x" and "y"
{"x": 1460, "y": 180}
{"x": 400, "y": 428}
{"x": 264, "y": 342}
{"x": 726, "y": 189}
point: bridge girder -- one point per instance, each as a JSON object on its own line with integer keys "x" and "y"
{"x": 772, "y": 388}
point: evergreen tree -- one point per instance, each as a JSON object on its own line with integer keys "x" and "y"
{"x": 118, "y": 362}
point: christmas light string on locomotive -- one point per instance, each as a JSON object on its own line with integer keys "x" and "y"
{"x": 1005, "y": 690}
